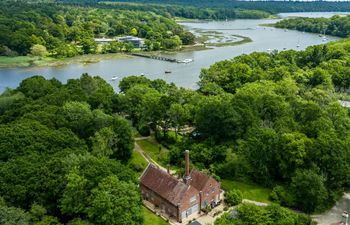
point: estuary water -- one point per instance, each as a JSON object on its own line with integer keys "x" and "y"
{"x": 185, "y": 75}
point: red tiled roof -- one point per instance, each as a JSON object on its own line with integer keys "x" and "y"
{"x": 198, "y": 179}
{"x": 163, "y": 184}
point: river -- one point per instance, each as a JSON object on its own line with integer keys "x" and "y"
{"x": 185, "y": 75}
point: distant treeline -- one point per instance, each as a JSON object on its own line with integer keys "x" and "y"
{"x": 272, "y": 7}
{"x": 188, "y": 12}
{"x": 336, "y": 26}
{"x": 62, "y": 30}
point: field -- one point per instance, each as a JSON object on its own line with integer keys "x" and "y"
{"x": 250, "y": 191}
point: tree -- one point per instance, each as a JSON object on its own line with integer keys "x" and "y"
{"x": 104, "y": 142}
{"x": 38, "y": 50}
{"x": 133, "y": 31}
{"x": 78, "y": 117}
{"x": 187, "y": 38}
{"x": 37, "y": 212}
{"x": 120, "y": 199}
{"x": 233, "y": 197}
{"x": 309, "y": 189}
{"x": 179, "y": 115}
{"x": 215, "y": 118}
{"x": 293, "y": 150}
{"x": 13, "y": 216}
{"x": 88, "y": 45}
{"x": 128, "y": 82}
{"x": 36, "y": 87}
{"x": 75, "y": 195}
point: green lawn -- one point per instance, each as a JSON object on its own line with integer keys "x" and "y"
{"x": 250, "y": 191}
{"x": 151, "y": 147}
{"x": 138, "y": 161}
{"x": 151, "y": 219}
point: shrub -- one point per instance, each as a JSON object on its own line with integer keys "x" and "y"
{"x": 233, "y": 197}
{"x": 282, "y": 196}
{"x": 206, "y": 209}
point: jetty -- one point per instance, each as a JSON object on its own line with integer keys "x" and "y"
{"x": 155, "y": 57}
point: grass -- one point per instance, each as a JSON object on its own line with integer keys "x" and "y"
{"x": 138, "y": 163}
{"x": 151, "y": 219}
{"x": 27, "y": 61}
{"x": 250, "y": 191}
{"x": 156, "y": 151}
{"x": 23, "y": 61}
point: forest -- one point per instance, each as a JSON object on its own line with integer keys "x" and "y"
{"x": 68, "y": 29}
{"x": 336, "y": 25}
{"x": 269, "y": 118}
{"x": 268, "y": 6}
{"x": 57, "y": 30}
{"x": 273, "y": 119}
{"x": 61, "y": 151}
{"x": 182, "y": 11}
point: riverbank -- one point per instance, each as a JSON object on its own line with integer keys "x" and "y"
{"x": 206, "y": 41}
{"x": 31, "y": 61}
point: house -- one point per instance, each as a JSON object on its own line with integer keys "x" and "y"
{"x": 103, "y": 40}
{"x": 136, "y": 41}
{"x": 179, "y": 198}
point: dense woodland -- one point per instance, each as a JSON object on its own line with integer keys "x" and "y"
{"x": 63, "y": 155}
{"x": 64, "y": 31}
{"x": 268, "y": 6}
{"x": 182, "y": 11}
{"x": 336, "y": 26}
{"x": 269, "y": 118}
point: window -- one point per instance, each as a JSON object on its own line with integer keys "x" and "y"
{"x": 193, "y": 198}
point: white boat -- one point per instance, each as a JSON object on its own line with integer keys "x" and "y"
{"x": 298, "y": 45}
{"x": 185, "y": 61}
{"x": 115, "y": 78}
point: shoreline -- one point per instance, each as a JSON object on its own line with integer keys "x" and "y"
{"x": 30, "y": 61}
{"x": 7, "y": 62}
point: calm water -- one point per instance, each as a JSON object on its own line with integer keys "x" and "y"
{"x": 185, "y": 75}
{"x": 312, "y": 14}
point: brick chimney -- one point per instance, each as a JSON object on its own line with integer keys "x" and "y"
{"x": 187, "y": 176}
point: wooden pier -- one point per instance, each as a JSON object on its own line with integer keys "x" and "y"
{"x": 155, "y": 57}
